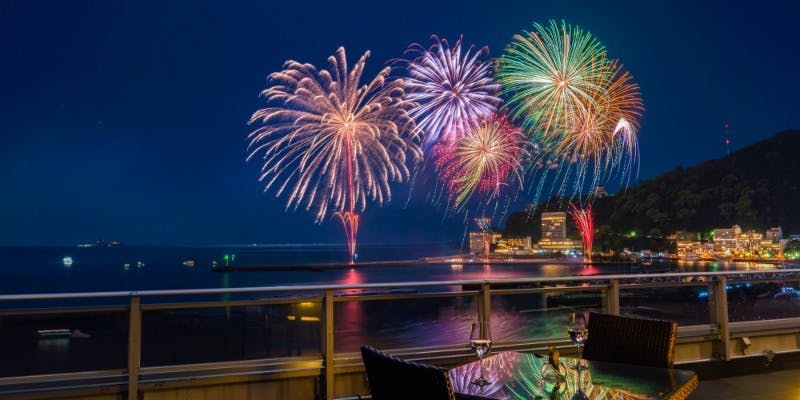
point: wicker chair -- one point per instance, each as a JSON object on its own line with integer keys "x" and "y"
{"x": 391, "y": 378}
{"x": 637, "y": 341}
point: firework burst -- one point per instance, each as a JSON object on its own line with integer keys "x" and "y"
{"x": 331, "y": 143}
{"x": 453, "y": 88}
{"x": 481, "y": 161}
{"x": 550, "y": 76}
{"x": 577, "y": 104}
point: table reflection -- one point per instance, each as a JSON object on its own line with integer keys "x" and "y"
{"x": 526, "y": 376}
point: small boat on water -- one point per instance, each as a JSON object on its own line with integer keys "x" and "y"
{"x": 188, "y": 263}
{"x": 67, "y": 261}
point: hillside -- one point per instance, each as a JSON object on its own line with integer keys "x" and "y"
{"x": 756, "y": 187}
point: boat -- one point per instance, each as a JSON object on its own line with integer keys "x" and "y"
{"x": 67, "y": 261}
{"x": 54, "y": 333}
{"x": 188, "y": 263}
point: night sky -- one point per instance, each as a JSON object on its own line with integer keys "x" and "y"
{"x": 127, "y": 121}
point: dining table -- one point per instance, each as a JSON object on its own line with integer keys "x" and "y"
{"x": 513, "y": 375}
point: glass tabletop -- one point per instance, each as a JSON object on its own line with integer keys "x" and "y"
{"x": 528, "y": 376}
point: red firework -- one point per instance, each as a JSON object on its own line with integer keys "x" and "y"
{"x": 585, "y": 224}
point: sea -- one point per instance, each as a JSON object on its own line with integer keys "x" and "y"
{"x": 26, "y": 270}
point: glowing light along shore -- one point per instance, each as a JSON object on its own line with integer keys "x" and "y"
{"x": 331, "y": 143}
{"x": 584, "y": 221}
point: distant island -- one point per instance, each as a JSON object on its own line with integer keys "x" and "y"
{"x": 100, "y": 243}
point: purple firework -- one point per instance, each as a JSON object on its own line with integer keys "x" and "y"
{"x": 454, "y": 90}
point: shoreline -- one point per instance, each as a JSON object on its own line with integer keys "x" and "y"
{"x": 454, "y": 259}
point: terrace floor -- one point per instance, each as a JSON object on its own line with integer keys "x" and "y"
{"x": 776, "y": 385}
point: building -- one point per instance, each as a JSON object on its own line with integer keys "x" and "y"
{"x": 564, "y": 245}
{"x": 749, "y": 242}
{"x": 686, "y": 242}
{"x": 600, "y": 191}
{"x": 554, "y": 233}
{"x": 774, "y": 234}
{"x": 725, "y": 239}
{"x": 482, "y": 242}
{"x": 554, "y": 226}
{"x": 514, "y": 245}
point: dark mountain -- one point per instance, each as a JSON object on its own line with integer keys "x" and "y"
{"x": 755, "y": 187}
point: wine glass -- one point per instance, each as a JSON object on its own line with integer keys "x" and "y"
{"x": 481, "y": 347}
{"x": 578, "y": 333}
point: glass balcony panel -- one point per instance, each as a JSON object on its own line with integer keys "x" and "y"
{"x": 230, "y": 333}
{"x": 59, "y": 343}
{"x": 755, "y": 301}
{"x": 687, "y": 305}
{"x": 406, "y": 323}
{"x": 539, "y": 315}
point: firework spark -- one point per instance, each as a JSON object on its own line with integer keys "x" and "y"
{"x": 482, "y": 161}
{"x": 484, "y": 223}
{"x": 453, "y": 88}
{"x": 585, "y": 224}
{"x": 331, "y": 143}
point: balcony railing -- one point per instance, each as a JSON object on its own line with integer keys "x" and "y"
{"x": 314, "y": 331}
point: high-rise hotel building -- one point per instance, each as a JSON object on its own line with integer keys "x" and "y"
{"x": 554, "y": 232}
{"x": 554, "y": 226}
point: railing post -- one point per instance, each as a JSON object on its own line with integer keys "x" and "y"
{"x": 485, "y": 312}
{"x": 718, "y": 310}
{"x": 327, "y": 344}
{"x": 611, "y": 297}
{"x": 134, "y": 347}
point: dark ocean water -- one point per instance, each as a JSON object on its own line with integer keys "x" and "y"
{"x": 41, "y": 269}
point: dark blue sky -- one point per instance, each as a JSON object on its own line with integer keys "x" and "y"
{"x": 128, "y": 120}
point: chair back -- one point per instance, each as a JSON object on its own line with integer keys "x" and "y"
{"x": 391, "y": 378}
{"x": 627, "y": 340}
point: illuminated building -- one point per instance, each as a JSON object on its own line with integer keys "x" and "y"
{"x": 559, "y": 245}
{"x": 687, "y": 243}
{"x": 774, "y": 234}
{"x": 600, "y": 191}
{"x": 725, "y": 239}
{"x": 554, "y": 233}
{"x": 514, "y": 245}
{"x": 554, "y": 226}
{"x": 749, "y": 241}
{"x": 482, "y": 242}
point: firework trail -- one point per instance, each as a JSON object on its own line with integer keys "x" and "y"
{"x": 481, "y": 162}
{"x": 453, "y": 88}
{"x": 577, "y": 105}
{"x": 585, "y": 223}
{"x": 331, "y": 143}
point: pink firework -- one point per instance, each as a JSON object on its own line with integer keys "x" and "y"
{"x": 585, "y": 224}
{"x": 481, "y": 161}
{"x": 454, "y": 90}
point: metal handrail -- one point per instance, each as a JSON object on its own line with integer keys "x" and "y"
{"x": 379, "y": 285}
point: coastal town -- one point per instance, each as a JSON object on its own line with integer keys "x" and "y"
{"x": 718, "y": 244}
